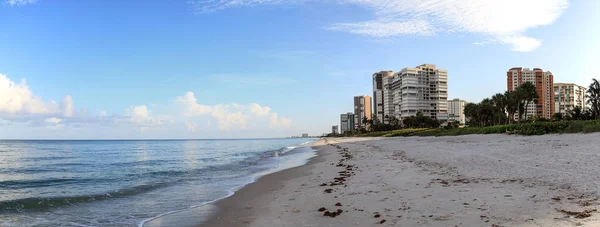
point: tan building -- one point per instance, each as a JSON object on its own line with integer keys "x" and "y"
{"x": 567, "y": 97}
{"x": 383, "y": 103}
{"x": 544, "y": 84}
{"x": 456, "y": 111}
{"x": 421, "y": 89}
{"x": 362, "y": 109}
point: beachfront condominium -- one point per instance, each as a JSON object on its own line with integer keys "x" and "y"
{"x": 544, "y": 84}
{"x": 362, "y": 110}
{"x": 456, "y": 111}
{"x": 334, "y": 130}
{"x": 383, "y": 103}
{"x": 346, "y": 122}
{"x": 421, "y": 89}
{"x": 567, "y": 97}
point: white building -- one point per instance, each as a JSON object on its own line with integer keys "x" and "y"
{"x": 567, "y": 97}
{"x": 456, "y": 111}
{"x": 383, "y": 103}
{"x": 421, "y": 89}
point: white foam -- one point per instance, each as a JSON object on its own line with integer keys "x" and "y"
{"x": 141, "y": 224}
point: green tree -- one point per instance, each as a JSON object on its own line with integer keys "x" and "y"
{"x": 593, "y": 99}
{"x": 512, "y": 105}
{"x": 577, "y": 113}
{"x": 557, "y": 117}
{"x": 527, "y": 94}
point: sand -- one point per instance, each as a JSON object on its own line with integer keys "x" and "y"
{"x": 475, "y": 180}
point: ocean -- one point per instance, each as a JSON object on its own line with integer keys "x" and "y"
{"x": 130, "y": 183}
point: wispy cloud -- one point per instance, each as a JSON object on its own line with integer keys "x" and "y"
{"x": 503, "y": 21}
{"x": 386, "y": 29}
{"x": 20, "y": 2}
{"x": 206, "y": 6}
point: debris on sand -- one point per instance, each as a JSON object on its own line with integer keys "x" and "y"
{"x": 338, "y": 204}
{"x": 322, "y": 209}
{"x": 580, "y": 215}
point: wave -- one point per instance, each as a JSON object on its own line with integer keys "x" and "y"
{"x": 16, "y": 184}
{"x": 37, "y": 203}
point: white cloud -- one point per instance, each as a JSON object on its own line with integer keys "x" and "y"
{"x": 17, "y": 99}
{"x": 192, "y": 127}
{"x": 193, "y": 108}
{"x": 505, "y": 21}
{"x": 231, "y": 116}
{"x": 386, "y": 29}
{"x": 140, "y": 115}
{"x": 279, "y": 121}
{"x": 20, "y": 2}
{"x": 53, "y": 120}
{"x": 521, "y": 43}
{"x": 259, "y": 110}
{"x": 67, "y": 106}
{"x": 204, "y": 6}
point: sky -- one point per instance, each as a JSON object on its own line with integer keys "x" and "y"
{"x": 193, "y": 69}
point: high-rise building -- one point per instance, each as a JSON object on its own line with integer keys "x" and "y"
{"x": 346, "y": 122}
{"x": 421, "y": 89}
{"x": 567, "y": 97}
{"x": 383, "y": 103}
{"x": 334, "y": 130}
{"x": 362, "y": 110}
{"x": 544, "y": 84}
{"x": 456, "y": 111}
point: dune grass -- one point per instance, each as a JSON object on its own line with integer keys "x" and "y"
{"x": 537, "y": 128}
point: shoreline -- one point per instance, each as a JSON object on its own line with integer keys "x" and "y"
{"x": 236, "y": 210}
{"x": 215, "y": 212}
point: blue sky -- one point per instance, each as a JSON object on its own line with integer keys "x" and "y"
{"x": 260, "y": 68}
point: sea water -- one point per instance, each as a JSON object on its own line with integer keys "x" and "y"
{"x": 129, "y": 183}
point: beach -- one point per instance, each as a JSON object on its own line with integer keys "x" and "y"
{"x": 474, "y": 180}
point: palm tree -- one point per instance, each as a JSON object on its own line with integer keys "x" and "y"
{"x": 512, "y": 104}
{"x": 593, "y": 98}
{"x": 527, "y": 94}
{"x": 499, "y": 101}
{"x": 577, "y": 113}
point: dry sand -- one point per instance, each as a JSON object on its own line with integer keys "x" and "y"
{"x": 475, "y": 180}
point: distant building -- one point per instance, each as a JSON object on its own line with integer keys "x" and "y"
{"x": 334, "y": 130}
{"x": 362, "y": 110}
{"x": 383, "y": 98}
{"x": 567, "y": 97}
{"x": 544, "y": 85}
{"x": 346, "y": 122}
{"x": 421, "y": 89}
{"x": 456, "y": 111}
{"x": 305, "y": 135}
